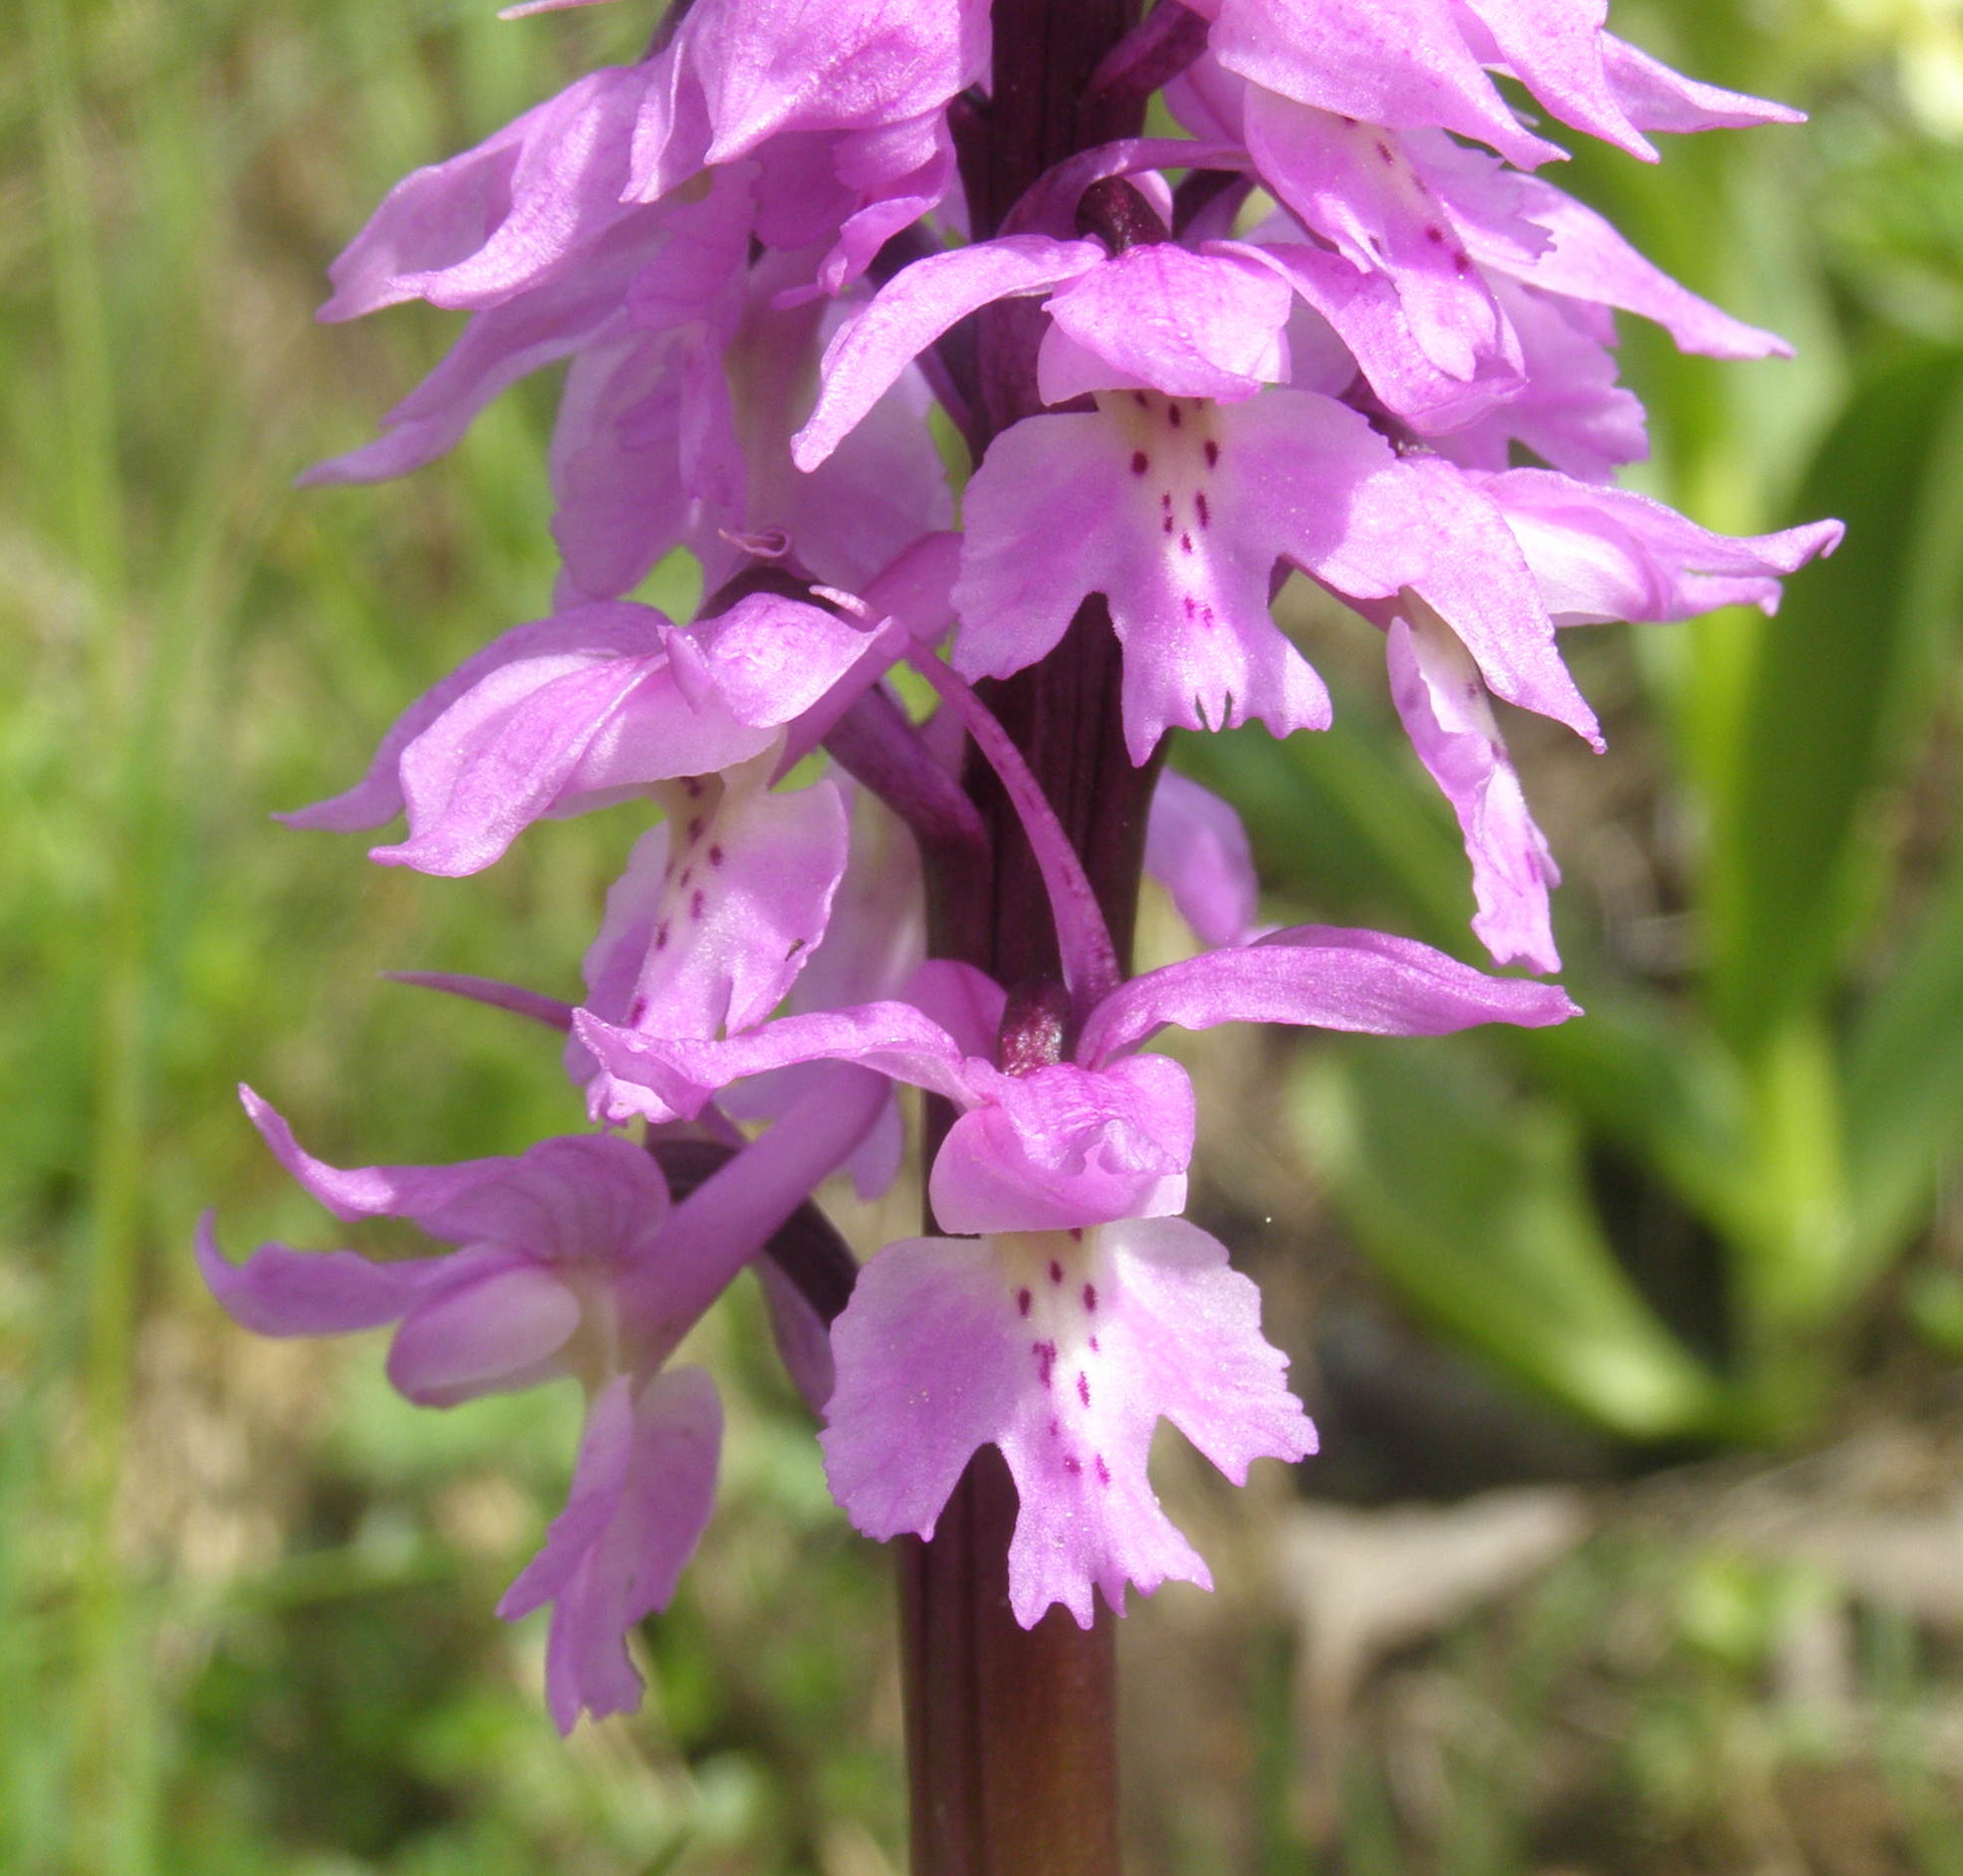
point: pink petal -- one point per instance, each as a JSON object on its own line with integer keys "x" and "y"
{"x": 1658, "y": 98}
{"x": 1366, "y": 982}
{"x": 1406, "y": 65}
{"x": 641, "y": 1495}
{"x": 493, "y": 1334}
{"x": 1203, "y": 325}
{"x": 1197, "y": 849}
{"x": 280, "y": 1292}
{"x": 1602, "y": 553}
{"x": 502, "y": 217}
{"x": 1446, "y": 713}
{"x": 1064, "y": 1147}
{"x": 868, "y": 354}
{"x": 1554, "y": 49}
{"x": 1065, "y": 1351}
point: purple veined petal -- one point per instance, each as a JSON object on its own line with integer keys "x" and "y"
{"x": 1326, "y": 977}
{"x": 868, "y": 354}
{"x": 282, "y": 1292}
{"x": 416, "y": 1192}
{"x": 769, "y": 67}
{"x": 1352, "y": 186}
{"x": 1571, "y": 414}
{"x": 683, "y": 1074}
{"x": 749, "y": 898}
{"x": 563, "y": 1199}
{"x": 502, "y": 757}
{"x": 1065, "y": 1351}
{"x": 930, "y": 1362}
{"x": 641, "y": 1495}
{"x": 1479, "y": 582}
{"x": 773, "y": 657}
{"x": 498, "y": 346}
{"x": 1603, "y": 554}
{"x": 1657, "y": 99}
{"x": 548, "y": 644}
{"x": 1405, "y": 67}
{"x": 1554, "y": 49}
{"x": 1064, "y": 1147}
{"x": 1372, "y": 321}
{"x": 1589, "y": 259}
{"x": 622, "y": 501}
{"x": 1197, "y": 849}
{"x": 1156, "y": 317}
{"x": 473, "y": 231}
{"x": 1443, "y": 707}
{"x": 494, "y": 1334}
{"x": 1147, "y": 501}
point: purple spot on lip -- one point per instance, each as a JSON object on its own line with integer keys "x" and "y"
{"x": 715, "y": 857}
{"x": 639, "y": 1011}
{"x": 1140, "y": 399}
{"x": 1056, "y": 1429}
{"x": 1166, "y": 525}
{"x": 1174, "y": 415}
{"x": 1201, "y": 510}
{"x": 1093, "y": 1344}
{"x": 1084, "y": 1387}
{"x": 1022, "y": 1303}
{"x": 1046, "y": 1359}
{"x": 1090, "y": 1296}
{"x": 1384, "y": 150}
{"x": 1077, "y": 1234}
{"x": 661, "y": 936}
{"x": 1104, "y": 1471}
{"x": 696, "y": 826}
{"x": 1212, "y": 452}
{"x": 1140, "y": 462}
{"x": 1191, "y": 606}
{"x": 1056, "y": 1271}
{"x": 1072, "y": 1463}
{"x": 1185, "y": 544}
{"x": 694, "y": 784}
{"x": 1434, "y": 234}
{"x": 698, "y": 903}
{"x": 1462, "y": 262}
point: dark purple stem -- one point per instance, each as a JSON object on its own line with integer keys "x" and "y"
{"x": 1012, "y": 1732}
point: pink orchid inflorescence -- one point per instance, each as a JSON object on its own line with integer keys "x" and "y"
{"x": 1340, "y": 327}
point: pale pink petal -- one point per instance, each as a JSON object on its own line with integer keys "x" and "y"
{"x": 1064, "y": 1147}
{"x": 1554, "y": 47}
{"x": 1603, "y": 554}
{"x": 1403, "y": 64}
{"x": 1065, "y": 1351}
{"x": 1197, "y": 849}
{"x": 504, "y": 216}
{"x": 1657, "y": 99}
{"x": 1446, "y": 713}
{"x": 640, "y": 1496}
{"x": 492, "y": 1334}
{"x": 1366, "y": 982}
{"x": 1156, "y": 317}
{"x": 282, "y": 1292}
{"x": 869, "y": 353}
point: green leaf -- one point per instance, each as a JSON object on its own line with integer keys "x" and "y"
{"x": 1904, "y": 1082}
{"x": 1475, "y": 1207}
{"x": 1838, "y": 684}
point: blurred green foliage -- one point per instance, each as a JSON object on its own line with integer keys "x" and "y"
{"x": 245, "y": 1593}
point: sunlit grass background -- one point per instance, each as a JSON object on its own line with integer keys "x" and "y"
{"x": 1670, "y": 1303}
